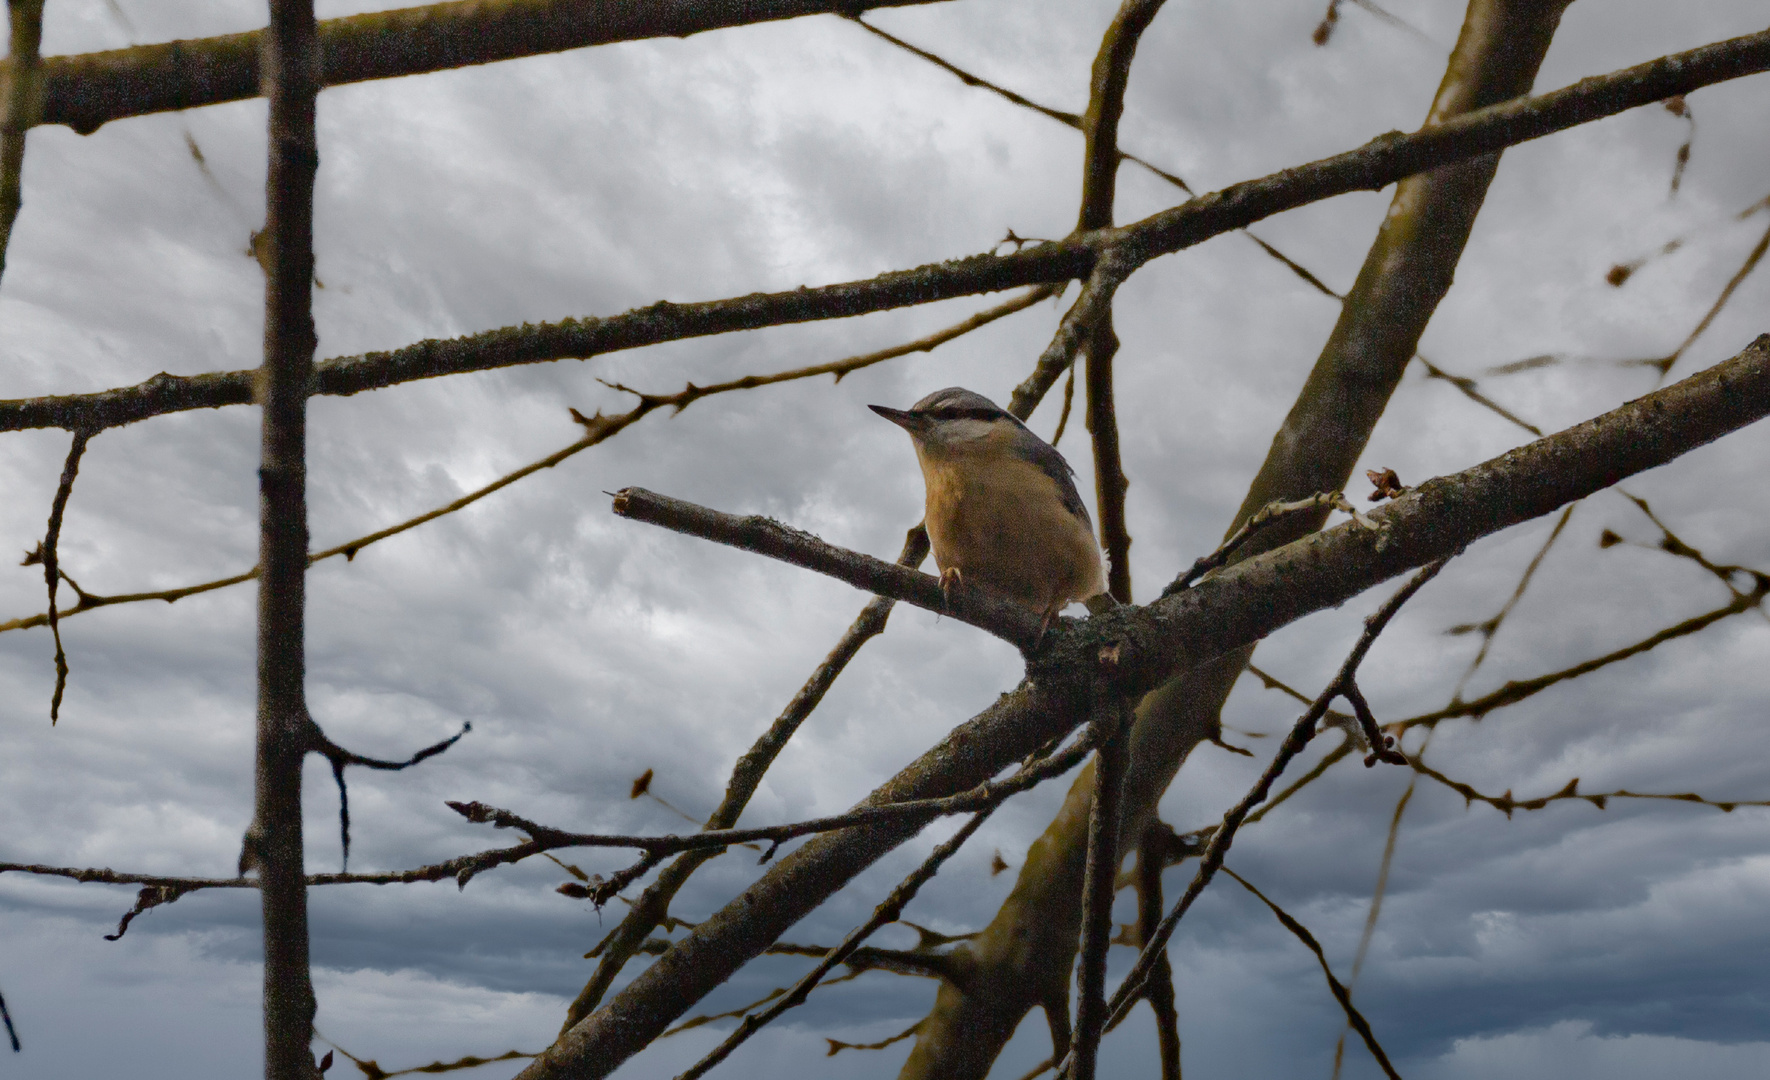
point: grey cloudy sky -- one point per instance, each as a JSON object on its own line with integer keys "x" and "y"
{"x": 1566, "y": 943}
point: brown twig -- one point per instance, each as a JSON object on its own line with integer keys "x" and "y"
{"x": 11, "y": 1032}
{"x": 1375, "y": 910}
{"x": 48, "y": 553}
{"x": 1100, "y": 166}
{"x": 1159, "y": 991}
{"x": 837, "y": 1045}
{"x": 765, "y": 536}
{"x": 1489, "y": 627}
{"x": 1470, "y": 389}
{"x": 546, "y": 838}
{"x": 340, "y": 758}
{"x": 1270, "y": 513}
{"x": 1506, "y": 804}
{"x": 1663, "y": 365}
{"x": 1104, "y": 856}
{"x": 1379, "y": 163}
{"x": 374, "y": 1071}
{"x": 1095, "y": 300}
{"x": 1353, "y": 1016}
{"x": 1300, "y": 734}
{"x": 1517, "y": 690}
{"x": 598, "y": 429}
{"x": 654, "y": 904}
{"x": 886, "y": 912}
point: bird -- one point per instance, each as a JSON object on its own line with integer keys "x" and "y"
{"x": 1002, "y": 509}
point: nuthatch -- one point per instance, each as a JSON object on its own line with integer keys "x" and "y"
{"x": 1002, "y": 508}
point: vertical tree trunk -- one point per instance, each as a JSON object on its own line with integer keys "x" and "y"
{"x": 274, "y": 843}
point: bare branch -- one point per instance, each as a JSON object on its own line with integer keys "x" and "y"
{"x": 1353, "y": 1016}
{"x": 546, "y": 838}
{"x": 1159, "y": 990}
{"x": 1100, "y": 167}
{"x": 48, "y": 553}
{"x": 765, "y": 536}
{"x": 1375, "y": 911}
{"x": 1470, "y": 389}
{"x": 1379, "y": 163}
{"x": 886, "y": 912}
{"x": 1506, "y": 804}
{"x": 11, "y": 1032}
{"x": 339, "y": 758}
{"x": 746, "y": 776}
{"x": 1104, "y": 855}
{"x": 597, "y": 429}
{"x": 1301, "y": 732}
{"x": 90, "y": 89}
{"x": 1490, "y": 627}
{"x": 837, "y": 1045}
{"x": 1268, "y": 514}
{"x": 1517, "y": 690}
{"x": 1663, "y": 365}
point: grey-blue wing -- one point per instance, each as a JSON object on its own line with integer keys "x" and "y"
{"x": 1051, "y": 462}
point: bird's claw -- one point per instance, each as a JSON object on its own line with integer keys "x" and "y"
{"x": 950, "y": 579}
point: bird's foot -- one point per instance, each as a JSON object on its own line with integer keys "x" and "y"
{"x": 950, "y": 579}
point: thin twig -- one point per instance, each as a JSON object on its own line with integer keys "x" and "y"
{"x": 598, "y": 429}
{"x": 1491, "y": 626}
{"x": 1110, "y": 271}
{"x": 746, "y": 776}
{"x": 11, "y": 1032}
{"x": 765, "y": 536}
{"x": 339, "y": 758}
{"x": 1299, "y": 737}
{"x": 837, "y": 1045}
{"x": 48, "y": 553}
{"x": 1381, "y": 890}
{"x": 1663, "y": 365}
{"x": 1100, "y": 167}
{"x": 1270, "y": 513}
{"x": 886, "y": 912}
{"x": 547, "y": 838}
{"x": 1506, "y": 804}
{"x": 1105, "y": 811}
{"x": 1353, "y": 1016}
{"x": 1159, "y": 990}
{"x": 1517, "y": 690}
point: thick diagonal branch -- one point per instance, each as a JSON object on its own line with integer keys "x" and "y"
{"x": 1228, "y": 611}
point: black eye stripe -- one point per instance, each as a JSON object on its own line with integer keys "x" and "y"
{"x": 953, "y": 412}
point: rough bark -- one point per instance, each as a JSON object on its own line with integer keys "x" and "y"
{"x": 274, "y": 844}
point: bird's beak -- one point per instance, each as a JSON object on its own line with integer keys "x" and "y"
{"x": 909, "y": 421}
